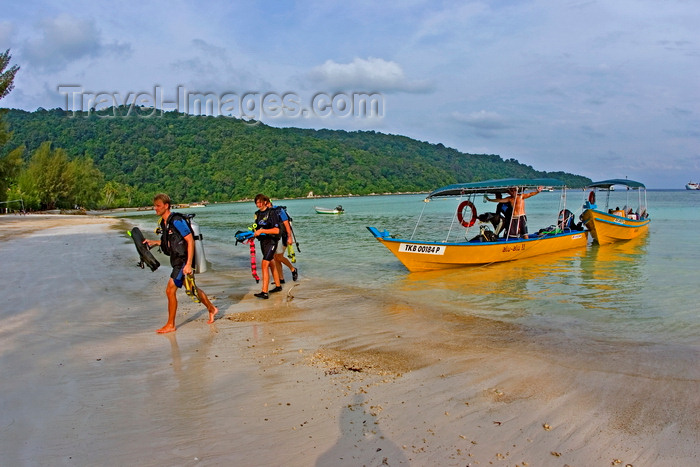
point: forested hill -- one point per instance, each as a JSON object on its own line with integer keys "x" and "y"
{"x": 224, "y": 159}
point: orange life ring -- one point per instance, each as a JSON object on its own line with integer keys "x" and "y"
{"x": 460, "y": 217}
{"x": 591, "y": 197}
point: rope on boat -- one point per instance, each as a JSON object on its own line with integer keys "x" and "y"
{"x": 454, "y": 217}
{"x": 419, "y": 218}
{"x": 562, "y": 206}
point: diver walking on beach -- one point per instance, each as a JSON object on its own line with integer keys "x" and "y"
{"x": 177, "y": 241}
{"x": 286, "y": 238}
{"x": 267, "y": 232}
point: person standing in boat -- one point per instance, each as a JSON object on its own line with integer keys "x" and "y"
{"x": 518, "y": 222}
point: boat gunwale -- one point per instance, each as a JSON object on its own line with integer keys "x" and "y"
{"x": 635, "y": 222}
{"x": 322, "y": 210}
{"x": 379, "y": 236}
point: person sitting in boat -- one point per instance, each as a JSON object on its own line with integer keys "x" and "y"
{"x": 617, "y": 211}
{"x": 500, "y": 218}
{"x": 518, "y": 223}
{"x": 566, "y": 221}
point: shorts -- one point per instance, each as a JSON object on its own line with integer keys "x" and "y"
{"x": 177, "y": 275}
{"x": 268, "y": 246}
{"x": 518, "y": 226}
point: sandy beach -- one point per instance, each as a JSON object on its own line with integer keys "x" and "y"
{"x": 305, "y": 378}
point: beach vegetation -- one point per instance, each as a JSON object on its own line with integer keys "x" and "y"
{"x": 51, "y": 180}
{"x": 11, "y": 161}
{"x": 48, "y": 178}
{"x": 7, "y": 75}
{"x": 10, "y": 167}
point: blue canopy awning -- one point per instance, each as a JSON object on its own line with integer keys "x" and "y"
{"x": 616, "y": 181}
{"x": 494, "y": 186}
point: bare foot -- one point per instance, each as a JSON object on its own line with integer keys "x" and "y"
{"x": 212, "y": 313}
{"x": 166, "y": 328}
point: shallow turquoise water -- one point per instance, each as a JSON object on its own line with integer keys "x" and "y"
{"x": 642, "y": 291}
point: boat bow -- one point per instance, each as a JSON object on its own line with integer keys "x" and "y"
{"x": 607, "y": 224}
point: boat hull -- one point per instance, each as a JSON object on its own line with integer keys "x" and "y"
{"x": 328, "y": 211}
{"x": 609, "y": 228}
{"x": 427, "y": 256}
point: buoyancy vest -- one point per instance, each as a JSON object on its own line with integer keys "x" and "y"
{"x": 172, "y": 243}
{"x": 268, "y": 219}
{"x": 283, "y": 216}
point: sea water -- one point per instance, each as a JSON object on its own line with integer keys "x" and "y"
{"x": 643, "y": 292}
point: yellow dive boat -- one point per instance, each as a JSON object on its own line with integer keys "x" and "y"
{"x": 481, "y": 245}
{"x": 612, "y": 224}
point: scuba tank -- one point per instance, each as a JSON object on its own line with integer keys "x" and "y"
{"x": 200, "y": 259}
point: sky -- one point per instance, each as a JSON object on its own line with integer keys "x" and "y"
{"x": 598, "y": 88}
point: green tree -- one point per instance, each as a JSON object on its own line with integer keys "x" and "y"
{"x": 49, "y": 177}
{"x": 25, "y": 189}
{"x": 4, "y": 132}
{"x": 7, "y": 77}
{"x": 110, "y": 193}
{"x": 115, "y": 194}
{"x": 10, "y": 167}
{"x": 87, "y": 182}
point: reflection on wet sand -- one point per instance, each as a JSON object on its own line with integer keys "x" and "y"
{"x": 188, "y": 390}
{"x": 567, "y": 282}
{"x": 614, "y": 270}
{"x": 509, "y": 288}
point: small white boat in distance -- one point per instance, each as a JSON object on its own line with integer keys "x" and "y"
{"x": 337, "y": 210}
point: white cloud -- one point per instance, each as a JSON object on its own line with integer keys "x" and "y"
{"x": 483, "y": 121}
{"x": 449, "y": 21}
{"x": 6, "y": 34}
{"x": 212, "y": 68}
{"x": 65, "y": 39}
{"x": 210, "y": 49}
{"x": 372, "y": 74}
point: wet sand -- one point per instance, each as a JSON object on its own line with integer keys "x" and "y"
{"x": 320, "y": 374}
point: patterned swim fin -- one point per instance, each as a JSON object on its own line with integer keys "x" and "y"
{"x": 191, "y": 288}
